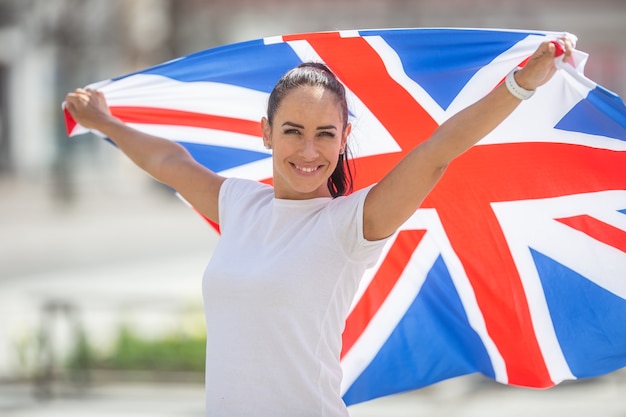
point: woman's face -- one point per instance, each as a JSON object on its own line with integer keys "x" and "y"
{"x": 306, "y": 138}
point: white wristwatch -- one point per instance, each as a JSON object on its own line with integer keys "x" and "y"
{"x": 515, "y": 89}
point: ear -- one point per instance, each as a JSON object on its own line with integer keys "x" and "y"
{"x": 344, "y": 137}
{"x": 266, "y": 129}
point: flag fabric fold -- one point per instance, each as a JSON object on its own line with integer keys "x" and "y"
{"x": 515, "y": 265}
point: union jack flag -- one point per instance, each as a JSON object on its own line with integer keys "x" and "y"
{"x": 514, "y": 266}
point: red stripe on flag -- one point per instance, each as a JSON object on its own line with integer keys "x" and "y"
{"x": 598, "y": 230}
{"x": 154, "y": 115}
{"x": 383, "y": 282}
{"x": 477, "y": 238}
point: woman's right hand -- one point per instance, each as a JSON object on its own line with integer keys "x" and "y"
{"x": 165, "y": 160}
{"x": 88, "y": 108}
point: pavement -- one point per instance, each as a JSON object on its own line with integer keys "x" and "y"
{"x": 138, "y": 253}
{"x": 462, "y": 397}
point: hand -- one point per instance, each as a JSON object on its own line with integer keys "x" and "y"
{"x": 540, "y": 67}
{"x": 88, "y": 108}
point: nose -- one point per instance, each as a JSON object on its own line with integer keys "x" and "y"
{"x": 308, "y": 150}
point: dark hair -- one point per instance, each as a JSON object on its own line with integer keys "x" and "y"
{"x": 315, "y": 74}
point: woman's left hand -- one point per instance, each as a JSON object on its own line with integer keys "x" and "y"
{"x": 540, "y": 67}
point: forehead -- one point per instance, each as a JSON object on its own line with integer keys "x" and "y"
{"x": 313, "y": 101}
{"x": 310, "y": 95}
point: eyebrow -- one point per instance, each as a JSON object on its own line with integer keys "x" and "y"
{"x": 302, "y": 127}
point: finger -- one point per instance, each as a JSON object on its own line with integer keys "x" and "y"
{"x": 80, "y": 95}
{"x": 72, "y": 98}
{"x": 558, "y": 47}
{"x": 568, "y": 45}
{"x": 70, "y": 107}
{"x": 549, "y": 50}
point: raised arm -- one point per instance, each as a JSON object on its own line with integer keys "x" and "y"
{"x": 166, "y": 161}
{"x": 398, "y": 195}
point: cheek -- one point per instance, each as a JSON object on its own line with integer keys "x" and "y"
{"x": 333, "y": 151}
{"x": 282, "y": 147}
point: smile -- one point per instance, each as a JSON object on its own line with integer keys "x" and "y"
{"x": 306, "y": 169}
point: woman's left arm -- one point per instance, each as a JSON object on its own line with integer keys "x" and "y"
{"x": 398, "y": 195}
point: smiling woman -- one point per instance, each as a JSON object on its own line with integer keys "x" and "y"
{"x": 274, "y": 330}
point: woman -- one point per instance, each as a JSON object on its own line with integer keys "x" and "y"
{"x": 281, "y": 280}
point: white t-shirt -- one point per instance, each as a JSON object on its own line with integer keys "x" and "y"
{"x": 277, "y": 292}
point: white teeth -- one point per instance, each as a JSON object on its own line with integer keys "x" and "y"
{"x": 305, "y": 169}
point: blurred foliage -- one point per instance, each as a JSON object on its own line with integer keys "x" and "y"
{"x": 172, "y": 352}
{"x": 83, "y": 355}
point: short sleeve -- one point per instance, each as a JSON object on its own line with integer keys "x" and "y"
{"x": 238, "y": 196}
{"x": 347, "y": 220}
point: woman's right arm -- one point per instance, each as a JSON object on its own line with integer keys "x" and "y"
{"x": 166, "y": 161}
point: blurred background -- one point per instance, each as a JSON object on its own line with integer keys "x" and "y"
{"x": 100, "y": 266}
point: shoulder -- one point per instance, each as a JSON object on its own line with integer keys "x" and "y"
{"x": 351, "y": 201}
{"x": 237, "y": 197}
{"x": 347, "y": 213}
{"x": 347, "y": 218}
{"x": 242, "y": 188}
